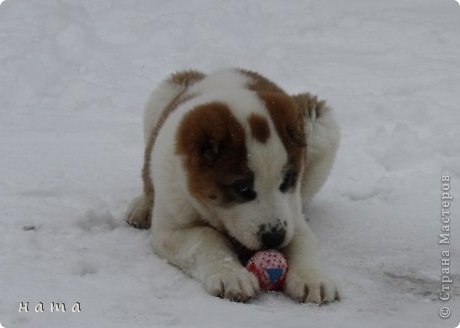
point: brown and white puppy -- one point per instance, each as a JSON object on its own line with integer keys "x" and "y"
{"x": 230, "y": 158}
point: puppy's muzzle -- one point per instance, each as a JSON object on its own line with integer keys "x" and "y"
{"x": 272, "y": 237}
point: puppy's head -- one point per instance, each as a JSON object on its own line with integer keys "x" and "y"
{"x": 244, "y": 167}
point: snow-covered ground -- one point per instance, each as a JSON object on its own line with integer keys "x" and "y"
{"x": 74, "y": 76}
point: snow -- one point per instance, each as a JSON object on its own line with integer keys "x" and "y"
{"x": 73, "y": 79}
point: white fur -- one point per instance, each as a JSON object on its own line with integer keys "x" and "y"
{"x": 158, "y": 100}
{"x": 191, "y": 235}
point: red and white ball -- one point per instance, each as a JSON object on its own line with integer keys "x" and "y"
{"x": 270, "y": 268}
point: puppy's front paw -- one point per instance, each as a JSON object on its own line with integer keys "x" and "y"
{"x": 235, "y": 283}
{"x": 311, "y": 286}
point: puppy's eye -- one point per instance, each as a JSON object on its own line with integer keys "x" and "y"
{"x": 289, "y": 180}
{"x": 244, "y": 189}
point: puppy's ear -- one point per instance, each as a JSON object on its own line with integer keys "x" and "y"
{"x": 209, "y": 134}
{"x": 287, "y": 117}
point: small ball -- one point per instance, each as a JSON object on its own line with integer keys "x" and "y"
{"x": 270, "y": 268}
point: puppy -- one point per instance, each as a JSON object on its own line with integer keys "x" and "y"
{"x": 231, "y": 160}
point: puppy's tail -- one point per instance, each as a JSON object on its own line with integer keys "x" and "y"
{"x": 186, "y": 78}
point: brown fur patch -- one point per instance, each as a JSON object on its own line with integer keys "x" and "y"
{"x": 186, "y": 78}
{"x": 212, "y": 143}
{"x": 260, "y": 83}
{"x": 286, "y": 114}
{"x": 259, "y": 127}
{"x": 141, "y": 214}
{"x": 309, "y": 105}
{"x": 288, "y": 122}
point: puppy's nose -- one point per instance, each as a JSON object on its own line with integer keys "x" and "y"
{"x": 274, "y": 238}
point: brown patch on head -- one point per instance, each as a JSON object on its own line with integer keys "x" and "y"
{"x": 288, "y": 121}
{"x": 259, "y": 127}
{"x": 212, "y": 143}
{"x": 285, "y": 114}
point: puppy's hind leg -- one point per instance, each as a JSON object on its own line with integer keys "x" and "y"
{"x": 139, "y": 213}
{"x": 140, "y": 210}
